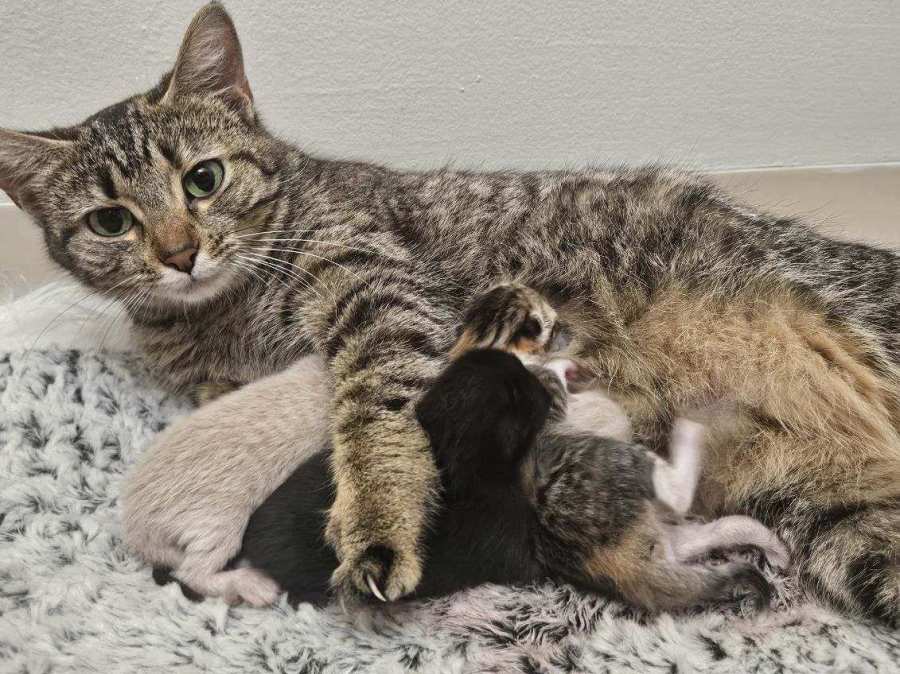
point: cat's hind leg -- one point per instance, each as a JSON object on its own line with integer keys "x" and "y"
{"x": 203, "y": 568}
{"x": 644, "y": 572}
{"x": 675, "y": 481}
{"x": 691, "y": 540}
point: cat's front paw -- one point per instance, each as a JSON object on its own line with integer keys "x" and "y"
{"x": 378, "y": 571}
{"x": 510, "y": 316}
{"x": 383, "y": 570}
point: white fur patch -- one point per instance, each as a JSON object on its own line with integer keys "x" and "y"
{"x": 676, "y": 480}
{"x": 66, "y": 315}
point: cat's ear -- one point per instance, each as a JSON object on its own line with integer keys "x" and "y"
{"x": 22, "y": 157}
{"x": 210, "y": 62}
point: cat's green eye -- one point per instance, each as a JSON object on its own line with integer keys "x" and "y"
{"x": 115, "y": 221}
{"x": 204, "y": 179}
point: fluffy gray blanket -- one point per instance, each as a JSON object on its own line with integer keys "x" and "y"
{"x": 73, "y": 599}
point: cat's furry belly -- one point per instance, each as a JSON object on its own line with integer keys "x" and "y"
{"x": 792, "y": 378}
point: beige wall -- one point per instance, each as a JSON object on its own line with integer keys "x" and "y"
{"x": 855, "y": 203}
{"x": 518, "y": 83}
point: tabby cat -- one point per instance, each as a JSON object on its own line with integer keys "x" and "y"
{"x": 236, "y": 253}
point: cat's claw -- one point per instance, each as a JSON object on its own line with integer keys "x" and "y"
{"x": 373, "y": 586}
{"x": 378, "y": 572}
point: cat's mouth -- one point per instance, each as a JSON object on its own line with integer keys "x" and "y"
{"x": 205, "y": 281}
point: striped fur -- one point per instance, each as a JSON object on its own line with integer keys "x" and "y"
{"x": 676, "y": 296}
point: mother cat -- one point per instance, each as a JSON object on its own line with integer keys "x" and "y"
{"x": 236, "y": 252}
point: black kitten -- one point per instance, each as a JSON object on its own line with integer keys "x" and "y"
{"x": 482, "y": 415}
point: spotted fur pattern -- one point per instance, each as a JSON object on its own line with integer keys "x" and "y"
{"x": 676, "y": 295}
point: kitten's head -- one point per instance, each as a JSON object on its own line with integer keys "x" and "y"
{"x": 152, "y": 198}
{"x": 482, "y": 415}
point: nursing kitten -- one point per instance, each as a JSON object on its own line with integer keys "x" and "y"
{"x": 237, "y": 253}
{"x": 523, "y": 502}
{"x": 186, "y": 503}
{"x": 481, "y": 533}
{"x": 587, "y": 482}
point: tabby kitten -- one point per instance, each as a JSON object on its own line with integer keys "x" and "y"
{"x": 236, "y": 253}
{"x": 609, "y": 513}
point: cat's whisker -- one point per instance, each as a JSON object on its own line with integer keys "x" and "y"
{"x": 258, "y": 254}
{"x": 282, "y": 266}
{"x": 121, "y": 302}
{"x": 243, "y": 266}
{"x": 60, "y": 315}
{"x": 324, "y": 259}
{"x": 142, "y": 304}
{"x": 324, "y": 243}
{"x": 252, "y": 260}
{"x": 305, "y": 283}
{"x": 271, "y": 231}
{"x": 249, "y": 268}
{"x": 274, "y": 336}
{"x": 314, "y": 285}
{"x": 128, "y": 305}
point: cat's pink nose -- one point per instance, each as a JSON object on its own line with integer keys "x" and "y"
{"x": 182, "y": 260}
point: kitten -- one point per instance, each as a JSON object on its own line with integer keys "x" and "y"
{"x": 186, "y": 503}
{"x": 612, "y": 513}
{"x": 517, "y": 506}
{"x": 598, "y": 516}
{"x": 483, "y": 531}
{"x": 237, "y": 253}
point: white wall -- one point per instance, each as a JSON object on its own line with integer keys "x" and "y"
{"x": 716, "y": 84}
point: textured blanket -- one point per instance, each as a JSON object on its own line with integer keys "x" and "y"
{"x": 73, "y": 418}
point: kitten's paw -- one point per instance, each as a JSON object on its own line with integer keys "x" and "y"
{"x": 749, "y": 588}
{"x": 378, "y": 572}
{"x": 209, "y": 391}
{"x": 512, "y": 317}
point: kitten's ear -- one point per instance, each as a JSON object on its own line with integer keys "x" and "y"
{"x": 516, "y": 429}
{"x": 210, "y": 62}
{"x": 22, "y": 156}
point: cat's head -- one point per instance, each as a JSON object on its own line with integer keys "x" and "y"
{"x": 153, "y": 198}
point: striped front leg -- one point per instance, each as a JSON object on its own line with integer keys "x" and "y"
{"x": 385, "y": 345}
